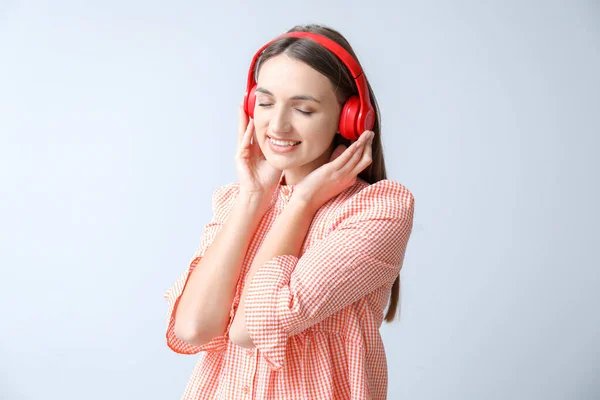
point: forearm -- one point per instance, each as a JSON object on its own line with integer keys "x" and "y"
{"x": 285, "y": 237}
{"x": 204, "y": 306}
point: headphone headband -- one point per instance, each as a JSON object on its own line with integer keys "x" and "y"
{"x": 364, "y": 116}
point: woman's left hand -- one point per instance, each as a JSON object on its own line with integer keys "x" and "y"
{"x": 338, "y": 174}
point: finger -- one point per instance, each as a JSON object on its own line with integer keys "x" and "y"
{"x": 347, "y": 154}
{"x": 354, "y": 156}
{"x": 366, "y": 159}
{"x": 255, "y": 147}
{"x": 244, "y": 143}
{"x": 243, "y": 122}
{"x": 357, "y": 156}
{"x": 364, "y": 146}
{"x": 249, "y": 134}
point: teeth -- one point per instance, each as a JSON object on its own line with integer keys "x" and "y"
{"x": 283, "y": 143}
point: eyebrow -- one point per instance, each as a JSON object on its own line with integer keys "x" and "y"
{"x": 297, "y": 97}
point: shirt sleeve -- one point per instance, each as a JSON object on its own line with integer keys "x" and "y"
{"x": 362, "y": 252}
{"x": 222, "y": 202}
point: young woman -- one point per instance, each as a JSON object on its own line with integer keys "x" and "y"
{"x": 286, "y": 293}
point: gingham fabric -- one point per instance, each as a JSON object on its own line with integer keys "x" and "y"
{"x": 314, "y": 319}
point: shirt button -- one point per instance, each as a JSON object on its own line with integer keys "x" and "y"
{"x": 249, "y": 353}
{"x": 246, "y": 389}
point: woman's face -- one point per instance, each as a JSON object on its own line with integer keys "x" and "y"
{"x": 295, "y": 103}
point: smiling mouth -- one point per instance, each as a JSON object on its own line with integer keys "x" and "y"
{"x": 291, "y": 143}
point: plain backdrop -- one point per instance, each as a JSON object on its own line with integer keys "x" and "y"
{"x": 118, "y": 119}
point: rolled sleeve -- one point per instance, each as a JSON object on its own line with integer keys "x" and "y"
{"x": 267, "y": 314}
{"x": 363, "y": 252}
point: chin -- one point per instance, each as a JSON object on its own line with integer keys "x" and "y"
{"x": 278, "y": 164}
{"x": 282, "y": 161}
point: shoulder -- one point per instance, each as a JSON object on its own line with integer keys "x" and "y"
{"x": 222, "y": 193}
{"x": 223, "y": 197}
{"x": 383, "y": 199}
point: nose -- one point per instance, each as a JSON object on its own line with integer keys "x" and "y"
{"x": 280, "y": 122}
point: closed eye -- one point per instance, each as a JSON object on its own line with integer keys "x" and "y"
{"x": 301, "y": 111}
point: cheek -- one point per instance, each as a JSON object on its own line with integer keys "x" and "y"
{"x": 319, "y": 139}
{"x": 261, "y": 124}
{"x": 324, "y": 126}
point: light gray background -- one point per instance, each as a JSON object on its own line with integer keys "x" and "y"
{"x": 118, "y": 120}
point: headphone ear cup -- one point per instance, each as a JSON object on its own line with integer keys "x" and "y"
{"x": 249, "y": 101}
{"x": 348, "y": 117}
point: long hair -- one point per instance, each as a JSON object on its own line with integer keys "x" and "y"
{"x": 327, "y": 63}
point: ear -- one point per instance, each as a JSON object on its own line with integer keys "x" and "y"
{"x": 337, "y": 152}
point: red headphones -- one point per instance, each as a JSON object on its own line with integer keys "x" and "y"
{"x": 357, "y": 115}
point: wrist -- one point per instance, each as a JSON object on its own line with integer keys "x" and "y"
{"x": 303, "y": 204}
{"x": 253, "y": 200}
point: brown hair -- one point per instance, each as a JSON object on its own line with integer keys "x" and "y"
{"x": 327, "y": 63}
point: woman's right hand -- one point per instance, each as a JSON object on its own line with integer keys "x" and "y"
{"x": 256, "y": 176}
